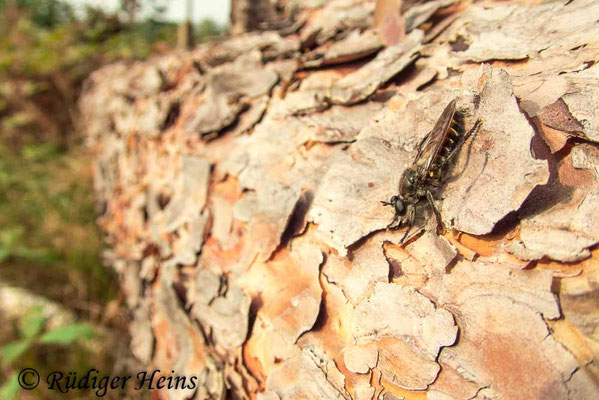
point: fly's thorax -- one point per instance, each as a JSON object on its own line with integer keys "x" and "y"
{"x": 409, "y": 186}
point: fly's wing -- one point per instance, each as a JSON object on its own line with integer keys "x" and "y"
{"x": 431, "y": 144}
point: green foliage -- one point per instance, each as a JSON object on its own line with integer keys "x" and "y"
{"x": 11, "y": 388}
{"x": 62, "y": 335}
{"x": 32, "y": 323}
{"x": 31, "y": 326}
{"x": 67, "y": 334}
{"x": 46, "y": 53}
{"x": 10, "y": 352}
{"x": 46, "y": 13}
{"x": 206, "y": 29}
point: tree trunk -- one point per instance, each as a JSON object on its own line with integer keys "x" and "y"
{"x": 242, "y": 184}
{"x": 251, "y": 15}
{"x": 185, "y": 30}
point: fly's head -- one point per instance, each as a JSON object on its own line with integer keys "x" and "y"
{"x": 398, "y": 205}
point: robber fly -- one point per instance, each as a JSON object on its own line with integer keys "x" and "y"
{"x": 429, "y": 168}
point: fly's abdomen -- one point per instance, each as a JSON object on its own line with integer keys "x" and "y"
{"x": 452, "y": 138}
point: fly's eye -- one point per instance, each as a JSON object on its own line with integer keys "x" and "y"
{"x": 411, "y": 178}
{"x": 400, "y": 207}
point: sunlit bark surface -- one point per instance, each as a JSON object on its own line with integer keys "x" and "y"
{"x": 241, "y": 184}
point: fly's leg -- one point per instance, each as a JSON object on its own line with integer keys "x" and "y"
{"x": 410, "y": 223}
{"x": 463, "y": 139}
{"x": 395, "y": 217}
{"x": 395, "y": 221}
{"x": 472, "y": 131}
{"x": 440, "y": 227}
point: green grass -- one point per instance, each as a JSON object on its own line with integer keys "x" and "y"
{"x": 47, "y": 221}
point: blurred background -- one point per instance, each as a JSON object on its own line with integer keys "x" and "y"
{"x": 60, "y": 309}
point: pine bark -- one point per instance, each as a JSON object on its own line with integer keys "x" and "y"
{"x": 242, "y": 181}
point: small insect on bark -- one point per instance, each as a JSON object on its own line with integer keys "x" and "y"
{"x": 429, "y": 168}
